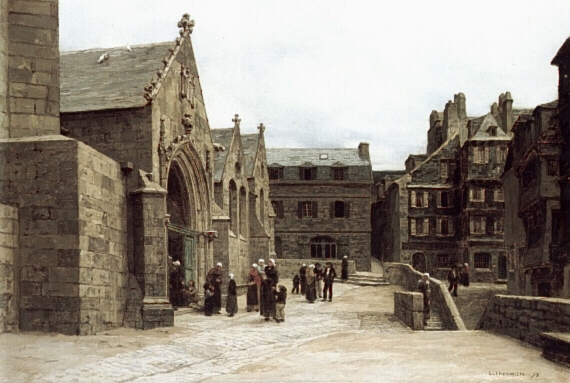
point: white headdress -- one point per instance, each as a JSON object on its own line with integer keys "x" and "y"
{"x": 231, "y": 276}
{"x": 261, "y": 261}
{"x": 219, "y": 264}
{"x": 273, "y": 261}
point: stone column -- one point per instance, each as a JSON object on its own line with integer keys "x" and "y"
{"x": 150, "y": 253}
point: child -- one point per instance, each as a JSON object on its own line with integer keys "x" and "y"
{"x": 280, "y": 300}
{"x": 296, "y": 282}
{"x": 231, "y": 301}
{"x": 208, "y": 299}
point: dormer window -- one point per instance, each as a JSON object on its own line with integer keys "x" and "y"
{"x": 275, "y": 173}
{"x": 308, "y": 174}
{"x": 492, "y": 131}
{"x": 339, "y": 174}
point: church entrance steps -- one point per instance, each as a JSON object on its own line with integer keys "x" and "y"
{"x": 367, "y": 279}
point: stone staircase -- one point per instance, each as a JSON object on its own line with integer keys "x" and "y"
{"x": 434, "y": 322}
{"x": 367, "y": 279}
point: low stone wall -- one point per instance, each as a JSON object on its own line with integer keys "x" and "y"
{"x": 408, "y": 307}
{"x": 524, "y": 318}
{"x": 287, "y": 268}
{"x": 404, "y": 275}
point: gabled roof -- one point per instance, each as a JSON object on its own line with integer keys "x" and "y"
{"x": 249, "y": 143}
{"x": 116, "y": 83}
{"x": 563, "y": 53}
{"x": 224, "y": 138}
{"x": 317, "y": 157}
{"x": 483, "y": 132}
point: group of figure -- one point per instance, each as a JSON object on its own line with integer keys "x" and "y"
{"x": 312, "y": 278}
{"x": 263, "y": 292}
{"x": 182, "y": 293}
{"x": 458, "y": 275}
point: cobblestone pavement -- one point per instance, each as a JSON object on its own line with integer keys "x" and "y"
{"x": 356, "y": 335}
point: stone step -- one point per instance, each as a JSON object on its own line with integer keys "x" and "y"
{"x": 367, "y": 283}
{"x": 367, "y": 277}
{"x": 434, "y": 323}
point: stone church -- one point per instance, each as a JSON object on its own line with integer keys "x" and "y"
{"x": 104, "y": 181}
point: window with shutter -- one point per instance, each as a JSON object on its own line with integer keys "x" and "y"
{"x": 314, "y": 210}
{"x": 426, "y": 226}
{"x": 413, "y": 198}
{"x": 413, "y": 226}
{"x": 486, "y": 151}
{"x": 438, "y": 225}
{"x": 426, "y": 199}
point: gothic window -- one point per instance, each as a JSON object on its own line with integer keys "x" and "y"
{"x": 323, "y": 247}
{"x": 482, "y": 260}
{"x": 476, "y": 194}
{"x": 278, "y": 246}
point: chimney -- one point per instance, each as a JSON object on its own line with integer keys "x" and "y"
{"x": 363, "y": 149}
{"x": 450, "y": 120}
{"x": 459, "y": 99}
{"x": 506, "y": 107}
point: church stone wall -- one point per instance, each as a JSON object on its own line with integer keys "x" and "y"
{"x": 9, "y": 299}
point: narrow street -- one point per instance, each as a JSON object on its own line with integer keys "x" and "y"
{"x": 355, "y": 338}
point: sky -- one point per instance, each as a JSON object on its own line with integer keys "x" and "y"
{"x": 322, "y": 74}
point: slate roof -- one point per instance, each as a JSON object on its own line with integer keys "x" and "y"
{"x": 224, "y": 138}
{"x": 117, "y": 83}
{"x": 482, "y": 124}
{"x": 379, "y": 175}
{"x": 249, "y": 143}
{"x": 563, "y": 53}
{"x": 311, "y": 157}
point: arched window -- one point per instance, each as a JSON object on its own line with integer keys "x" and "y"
{"x": 323, "y": 247}
{"x": 233, "y": 197}
{"x": 243, "y": 212}
{"x": 278, "y": 247}
{"x": 262, "y": 207}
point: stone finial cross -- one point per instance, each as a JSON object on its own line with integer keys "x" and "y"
{"x": 236, "y": 120}
{"x": 261, "y": 128}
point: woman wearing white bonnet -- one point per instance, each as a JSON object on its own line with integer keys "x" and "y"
{"x": 424, "y": 288}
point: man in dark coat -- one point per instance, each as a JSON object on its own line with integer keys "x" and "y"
{"x": 329, "y": 274}
{"x": 303, "y": 276}
{"x": 214, "y": 278}
{"x": 452, "y": 278}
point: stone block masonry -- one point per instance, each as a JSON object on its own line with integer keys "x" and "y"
{"x": 9, "y": 292}
{"x": 408, "y": 307}
{"x": 31, "y": 99}
{"x": 72, "y": 233}
{"x": 525, "y": 318}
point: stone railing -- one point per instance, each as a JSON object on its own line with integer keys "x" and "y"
{"x": 525, "y": 318}
{"x": 404, "y": 275}
{"x": 408, "y": 307}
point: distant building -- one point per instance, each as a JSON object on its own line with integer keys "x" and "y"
{"x": 321, "y": 198}
{"x": 448, "y": 207}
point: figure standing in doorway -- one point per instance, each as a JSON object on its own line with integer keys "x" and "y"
{"x": 214, "y": 278}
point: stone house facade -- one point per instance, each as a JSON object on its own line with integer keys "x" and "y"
{"x": 436, "y": 214}
{"x": 241, "y": 189}
{"x": 321, "y": 199}
{"x": 101, "y": 181}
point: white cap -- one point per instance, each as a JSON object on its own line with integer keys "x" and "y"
{"x": 176, "y": 263}
{"x": 219, "y": 264}
{"x": 231, "y": 276}
{"x": 426, "y": 274}
{"x": 261, "y": 261}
